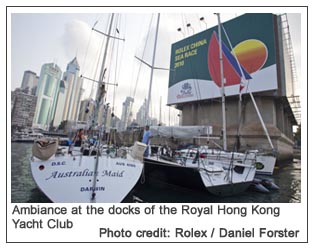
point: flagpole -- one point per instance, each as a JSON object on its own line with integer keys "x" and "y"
{"x": 222, "y": 84}
{"x": 152, "y": 72}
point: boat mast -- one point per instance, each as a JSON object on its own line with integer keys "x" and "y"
{"x": 152, "y": 72}
{"x": 222, "y": 84}
{"x": 100, "y": 92}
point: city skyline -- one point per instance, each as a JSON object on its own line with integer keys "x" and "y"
{"x": 74, "y": 32}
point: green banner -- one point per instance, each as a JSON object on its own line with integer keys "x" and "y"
{"x": 189, "y": 57}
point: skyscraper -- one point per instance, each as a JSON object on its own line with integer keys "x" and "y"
{"x": 47, "y": 93}
{"x": 73, "y": 91}
{"x": 126, "y": 115}
{"x": 30, "y": 81}
{"x": 140, "y": 116}
{"x": 22, "y": 107}
{"x": 61, "y": 99}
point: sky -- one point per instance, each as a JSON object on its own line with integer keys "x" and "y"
{"x": 39, "y": 36}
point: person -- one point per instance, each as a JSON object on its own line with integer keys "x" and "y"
{"x": 146, "y": 139}
{"x": 79, "y": 137}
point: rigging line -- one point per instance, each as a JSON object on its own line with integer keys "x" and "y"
{"x": 116, "y": 45}
{"x": 198, "y": 18}
{"x": 140, "y": 67}
{"x": 85, "y": 60}
{"x": 117, "y": 69}
{"x": 229, "y": 41}
{"x": 149, "y": 99}
{"x": 112, "y": 48}
{"x": 87, "y": 50}
{"x": 118, "y": 72}
{"x": 184, "y": 22}
{"x": 99, "y": 96}
{"x": 96, "y": 67}
{"x": 252, "y": 98}
{"x": 145, "y": 46}
{"x": 240, "y": 118}
{"x": 116, "y": 66}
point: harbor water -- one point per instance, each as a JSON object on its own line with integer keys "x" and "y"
{"x": 286, "y": 176}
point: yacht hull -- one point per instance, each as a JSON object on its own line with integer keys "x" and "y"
{"x": 216, "y": 180}
{"x": 75, "y": 179}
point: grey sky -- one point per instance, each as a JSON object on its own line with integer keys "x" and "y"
{"x": 38, "y": 38}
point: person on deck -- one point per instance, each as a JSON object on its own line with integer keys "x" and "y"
{"x": 146, "y": 139}
{"x": 79, "y": 137}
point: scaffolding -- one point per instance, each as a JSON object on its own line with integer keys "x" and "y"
{"x": 293, "y": 98}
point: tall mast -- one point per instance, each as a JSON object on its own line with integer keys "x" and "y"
{"x": 100, "y": 92}
{"x": 152, "y": 70}
{"x": 222, "y": 85}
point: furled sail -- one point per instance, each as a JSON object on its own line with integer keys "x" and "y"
{"x": 181, "y": 132}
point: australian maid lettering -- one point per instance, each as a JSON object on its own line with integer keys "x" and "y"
{"x": 113, "y": 173}
{"x": 86, "y": 172}
{"x": 67, "y": 174}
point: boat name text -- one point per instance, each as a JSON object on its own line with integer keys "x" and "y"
{"x": 125, "y": 164}
{"x": 84, "y": 173}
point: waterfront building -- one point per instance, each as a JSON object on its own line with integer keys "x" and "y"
{"x": 126, "y": 115}
{"x": 140, "y": 116}
{"x": 23, "y": 108}
{"x": 73, "y": 90}
{"x": 60, "y": 104}
{"x": 47, "y": 93}
{"x": 30, "y": 82}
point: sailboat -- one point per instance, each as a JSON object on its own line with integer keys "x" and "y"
{"x": 217, "y": 176}
{"x": 96, "y": 176}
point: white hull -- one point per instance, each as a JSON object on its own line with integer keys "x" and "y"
{"x": 222, "y": 174}
{"x": 264, "y": 163}
{"x": 224, "y": 178}
{"x": 72, "y": 179}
